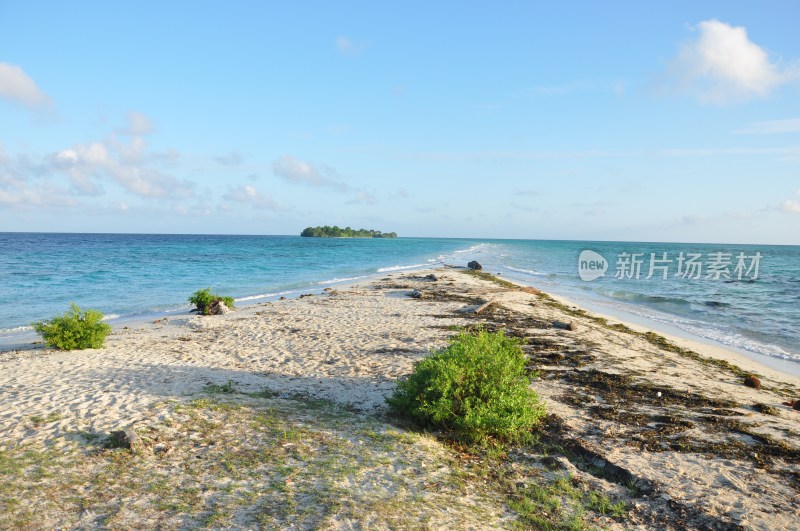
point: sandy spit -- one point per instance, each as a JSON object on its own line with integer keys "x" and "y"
{"x": 664, "y": 426}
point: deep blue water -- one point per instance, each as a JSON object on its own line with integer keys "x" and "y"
{"x": 140, "y": 275}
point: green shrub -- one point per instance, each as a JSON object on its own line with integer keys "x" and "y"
{"x": 74, "y": 330}
{"x": 203, "y": 299}
{"x": 475, "y": 388}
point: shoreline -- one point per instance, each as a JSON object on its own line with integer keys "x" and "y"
{"x": 29, "y": 340}
{"x": 755, "y": 361}
{"x": 634, "y": 418}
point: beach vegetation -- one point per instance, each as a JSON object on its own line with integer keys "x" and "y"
{"x": 51, "y": 417}
{"x": 476, "y": 389}
{"x": 75, "y": 330}
{"x": 337, "y": 232}
{"x": 203, "y": 299}
{"x": 217, "y": 388}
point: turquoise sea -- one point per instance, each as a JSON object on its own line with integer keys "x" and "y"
{"x": 140, "y": 276}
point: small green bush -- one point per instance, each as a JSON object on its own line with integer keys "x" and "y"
{"x": 475, "y": 388}
{"x": 203, "y": 299}
{"x": 75, "y": 330}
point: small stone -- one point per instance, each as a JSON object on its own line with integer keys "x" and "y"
{"x": 475, "y": 266}
{"x": 282, "y": 299}
{"x": 572, "y": 327}
{"x": 416, "y": 294}
{"x": 796, "y": 405}
{"x": 752, "y": 381}
{"x": 125, "y": 439}
{"x": 432, "y": 277}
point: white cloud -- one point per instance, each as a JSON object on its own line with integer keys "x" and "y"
{"x": 770, "y": 127}
{"x": 22, "y": 193}
{"x": 137, "y": 125}
{"x": 296, "y": 171}
{"x": 791, "y": 206}
{"x": 18, "y": 87}
{"x": 83, "y": 169}
{"x": 250, "y": 196}
{"x": 126, "y": 164}
{"x": 723, "y": 65}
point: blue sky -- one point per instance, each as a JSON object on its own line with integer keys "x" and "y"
{"x": 673, "y": 121}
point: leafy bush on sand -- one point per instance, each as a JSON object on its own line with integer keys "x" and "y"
{"x": 203, "y": 299}
{"x": 476, "y": 388}
{"x": 74, "y": 330}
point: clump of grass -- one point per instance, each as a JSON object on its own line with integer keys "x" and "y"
{"x": 599, "y": 502}
{"x": 224, "y": 388}
{"x": 51, "y": 417}
{"x": 76, "y": 329}
{"x": 203, "y": 299}
{"x": 476, "y": 389}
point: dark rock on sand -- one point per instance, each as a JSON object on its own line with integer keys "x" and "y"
{"x": 475, "y": 266}
{"x": 416, "y": 294}
{"x": 796, "y": 405}
{"x": 125, "y": 439}
{"x": 432, "y": 277}
{"x": 752, "y": 381}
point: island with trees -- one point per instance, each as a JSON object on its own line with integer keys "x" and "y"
{"x": 347, "y": 232}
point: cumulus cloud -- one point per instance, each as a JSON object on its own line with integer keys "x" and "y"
{"x": 723, "y": 66}
{"x": 19, "y": 190}
{"x": 770, "y": 127}
{"x": 248, "y": 195}
{"x": 296, "y": 171}
{"x": 85, "y": 169}
{"x": 126, "y": 164}
{"x": 17, "y": 87}
{"x": 791, "y": 206}
{"x": 24, "y": 184}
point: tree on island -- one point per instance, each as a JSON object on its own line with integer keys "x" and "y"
{"x": 347, "y": 232}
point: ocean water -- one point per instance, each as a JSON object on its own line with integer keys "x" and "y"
{"x": 142, "y": 276}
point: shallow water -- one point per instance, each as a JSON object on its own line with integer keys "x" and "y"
{"x": 130, "y": 275}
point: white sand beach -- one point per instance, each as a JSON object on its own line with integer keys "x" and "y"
{"x": 665, "y": 426}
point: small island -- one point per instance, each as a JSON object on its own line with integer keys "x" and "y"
{"x": 347, "y": 232}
